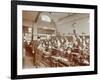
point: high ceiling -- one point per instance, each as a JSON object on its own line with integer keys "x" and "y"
{"x": 61, "y": 22}
{"x": 30, "y": 16}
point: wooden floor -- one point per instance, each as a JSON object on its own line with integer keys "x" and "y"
{"x": 28, "y": 63}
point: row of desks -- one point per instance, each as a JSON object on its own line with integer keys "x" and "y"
{"x": 57, "y": 61}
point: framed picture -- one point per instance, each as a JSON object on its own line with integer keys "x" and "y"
{"x": 52, "y": 39}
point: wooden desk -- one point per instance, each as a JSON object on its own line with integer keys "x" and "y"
{"x": 61, "y": 61}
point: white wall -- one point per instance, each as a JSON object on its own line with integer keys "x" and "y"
{"x": 5, "y": 30}
{"x": 81, "y": 25}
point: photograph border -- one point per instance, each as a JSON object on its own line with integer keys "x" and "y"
{"x": 14, "y": 4}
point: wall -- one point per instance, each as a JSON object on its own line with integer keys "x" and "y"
{"x": 5, "y": 41}
{"x": 81, "y": 25}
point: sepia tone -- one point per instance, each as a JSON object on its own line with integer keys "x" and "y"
{"x": 55, "y": 39}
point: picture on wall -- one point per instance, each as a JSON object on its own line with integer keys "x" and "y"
{"x": 53, "y": 39}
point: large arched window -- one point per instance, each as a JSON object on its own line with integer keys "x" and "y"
{"x": 45, "y": 18}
